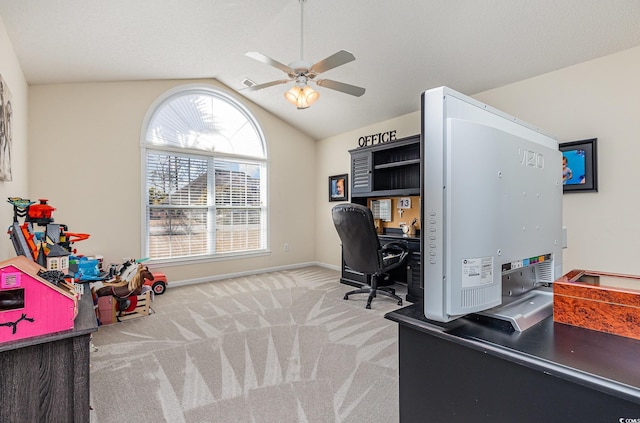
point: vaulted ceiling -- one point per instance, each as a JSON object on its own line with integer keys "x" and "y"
{"x": 402, "y": 48}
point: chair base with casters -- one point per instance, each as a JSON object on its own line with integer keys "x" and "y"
{"x": 362, "y": 251}
{"x": 373, "y": 290}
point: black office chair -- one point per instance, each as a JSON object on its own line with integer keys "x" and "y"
{"x": 362, "y": 252}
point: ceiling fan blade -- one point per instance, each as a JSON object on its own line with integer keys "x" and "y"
{"x": 269, "y": 61}
{"x": 341, "y": 86}
{"x": 335, "y": 60}
{"x": 265, "y": 85}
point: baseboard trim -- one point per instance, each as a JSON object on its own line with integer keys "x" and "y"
{"x": 249, "y": 272}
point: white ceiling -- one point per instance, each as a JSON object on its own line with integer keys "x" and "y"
{"x": 402, "y": 47}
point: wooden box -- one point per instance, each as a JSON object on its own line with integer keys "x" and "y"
{"x": 606, "y": 302}
{"x": 108, "y": 311}
{"x": 139, "y": 307}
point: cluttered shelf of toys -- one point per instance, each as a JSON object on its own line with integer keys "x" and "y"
{"x": 122, "y": 292}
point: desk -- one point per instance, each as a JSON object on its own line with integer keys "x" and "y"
{"x": 408, "y": 274}
{"x": 46, "y": 378}
{"x": 469, "y": 370}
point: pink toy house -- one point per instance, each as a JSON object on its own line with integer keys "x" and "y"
{"x": 29, "y": 305}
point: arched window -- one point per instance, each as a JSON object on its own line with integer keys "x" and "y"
{"x": 205, "y": 177}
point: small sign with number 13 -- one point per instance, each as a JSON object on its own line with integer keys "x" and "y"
{"x": 404, "y": 203}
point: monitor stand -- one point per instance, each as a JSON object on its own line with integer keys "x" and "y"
{"x": 527, "y": 310}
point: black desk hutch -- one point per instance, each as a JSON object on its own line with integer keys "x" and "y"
{"x": 390, "y": 169}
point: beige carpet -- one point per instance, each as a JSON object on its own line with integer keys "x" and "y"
{"x": 277, "y": 347}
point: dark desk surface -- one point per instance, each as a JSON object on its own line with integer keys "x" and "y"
{"x": 608, "y": 363}
{"x": 397, "y": 234}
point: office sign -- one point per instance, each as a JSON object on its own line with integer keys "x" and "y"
{"x": 379, "y": 138}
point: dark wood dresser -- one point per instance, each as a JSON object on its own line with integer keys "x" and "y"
{"x": 46, "y": 378}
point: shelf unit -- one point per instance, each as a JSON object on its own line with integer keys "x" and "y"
{"x": 389, "y": 170}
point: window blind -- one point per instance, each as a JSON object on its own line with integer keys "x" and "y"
{"x": 205, "y": 176}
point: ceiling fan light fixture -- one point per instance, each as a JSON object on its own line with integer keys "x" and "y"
{"x": 301, "y": 72}
{"x": 301, "y": 97}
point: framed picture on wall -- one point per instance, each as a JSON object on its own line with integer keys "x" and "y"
{"x": 338, "y": 188}
{"x": 580, "y": 166}
{"x": 6, "y": 115}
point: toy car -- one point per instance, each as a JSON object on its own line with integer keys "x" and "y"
{"x": 158, "y": 284}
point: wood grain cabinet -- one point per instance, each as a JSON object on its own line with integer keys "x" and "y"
{"x": 46, "y": 378}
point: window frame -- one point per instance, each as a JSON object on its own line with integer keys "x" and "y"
{"x": 146, "y": 148}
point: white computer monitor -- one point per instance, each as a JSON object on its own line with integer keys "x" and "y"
{"x": 492, "y": 212}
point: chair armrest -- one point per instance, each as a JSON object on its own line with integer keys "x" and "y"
{"x": 398, "y": 245}
{"x": 396, "y": 251}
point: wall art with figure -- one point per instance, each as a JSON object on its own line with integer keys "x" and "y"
{"x": 5, "y": 131}
{"x": 580, "y": 165}
{"x": 338, "y": 189}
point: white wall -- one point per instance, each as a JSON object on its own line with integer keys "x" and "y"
{"x": 596, "y": 99}
{"x": 599, "y": 98}
{"x": 14, "y": 78}
{"x": 84, "y": 156}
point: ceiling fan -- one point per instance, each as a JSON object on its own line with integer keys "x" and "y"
{"x": 301, "y": 73}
